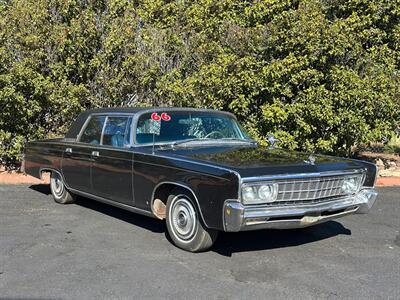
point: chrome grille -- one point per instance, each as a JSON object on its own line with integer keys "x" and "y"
{"x": 311, "y": 190}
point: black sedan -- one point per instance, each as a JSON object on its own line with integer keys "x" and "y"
{"x": 200, "y": 171}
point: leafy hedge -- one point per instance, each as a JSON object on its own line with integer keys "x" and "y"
{"x": 320, "y": 75}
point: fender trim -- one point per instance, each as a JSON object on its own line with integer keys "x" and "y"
{"x": 178, "y": 185}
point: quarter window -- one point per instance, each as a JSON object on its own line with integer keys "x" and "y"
{"x": 92, "y": 132}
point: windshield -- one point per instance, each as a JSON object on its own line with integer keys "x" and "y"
{"x": 180, "y": 126}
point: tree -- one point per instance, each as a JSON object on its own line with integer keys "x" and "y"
{"x": 320, "y": 75}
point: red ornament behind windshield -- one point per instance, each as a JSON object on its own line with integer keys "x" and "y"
{"x": 164, "y": 117}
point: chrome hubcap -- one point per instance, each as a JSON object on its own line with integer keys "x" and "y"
{"x": 57, "y": 185}
{"x": 183, "y": 219}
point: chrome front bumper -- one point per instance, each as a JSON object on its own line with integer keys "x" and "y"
{"x": 238, "y": 217}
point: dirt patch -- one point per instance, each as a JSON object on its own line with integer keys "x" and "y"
{"x": 388, "y": 181}
{"x": 388, "y": 167}
{"x": 20, "y": 178}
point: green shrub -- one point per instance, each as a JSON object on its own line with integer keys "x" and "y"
{"x": 320, "y": 75}
{"x": 393, "y": 146}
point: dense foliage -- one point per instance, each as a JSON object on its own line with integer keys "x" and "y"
{"x": 320, "y": 75}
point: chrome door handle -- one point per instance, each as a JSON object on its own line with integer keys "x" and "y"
{"x": 68, "y": 150}
{"x": 95, "y": 153}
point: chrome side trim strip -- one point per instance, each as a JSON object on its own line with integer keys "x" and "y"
{"x": 100, "y": 199}
{"x": 114, "y": 203}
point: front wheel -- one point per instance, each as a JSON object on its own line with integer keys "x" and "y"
{"x": 184, "y": 225}
{"x": 58, "y": 190}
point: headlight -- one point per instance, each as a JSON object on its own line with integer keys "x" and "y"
{"x": 258, "y": 194}
{"x": 352, "y": 184}
{"x": 249, "y": 193}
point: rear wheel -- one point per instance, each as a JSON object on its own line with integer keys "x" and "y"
{"x": 184, "y": 225}
{"x": 58, "y": 190}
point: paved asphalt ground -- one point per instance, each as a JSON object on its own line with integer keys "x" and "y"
{"x": 90, "y": 250}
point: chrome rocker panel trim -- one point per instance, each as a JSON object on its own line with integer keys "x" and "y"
{"x": 114, "y": 203}
{"x": 238, "y": 217}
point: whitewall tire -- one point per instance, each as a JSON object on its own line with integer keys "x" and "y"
{"x": 184, "y": 223}
{"x": 59, "y": 191}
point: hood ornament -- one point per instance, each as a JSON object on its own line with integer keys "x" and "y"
{"x": 310, "y": 160}
{"x": 272, "y": 140}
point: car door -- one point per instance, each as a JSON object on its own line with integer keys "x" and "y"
{"x": 112, "y": 164}
{"x": 78, "y": 157}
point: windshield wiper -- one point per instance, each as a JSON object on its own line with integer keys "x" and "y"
{"x": 176, "y": 143}
{"x": 221, "y": 140}
{"x": 239, "y": 140}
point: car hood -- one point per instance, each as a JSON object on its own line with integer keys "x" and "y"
{"x": 250, "y": 161}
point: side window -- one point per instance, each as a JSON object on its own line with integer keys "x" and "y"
{"x": 117, "y": 132}
{"x": 92, "y": 132}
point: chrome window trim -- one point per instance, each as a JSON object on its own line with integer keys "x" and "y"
{"x": 127, "y": 116}
{"x": 102, "y": 130}
{"x": 106, "y": 115}
{"x": 181, "y": 109}
{"x": 98, "y": 198}
{"x": 160, "y": 109}
{"x": 78, "y": 138}
{"x": 112, "y": 114}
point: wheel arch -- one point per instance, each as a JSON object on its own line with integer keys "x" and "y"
{"x": 50, "y": 170}
{"x": 161, "y": 192}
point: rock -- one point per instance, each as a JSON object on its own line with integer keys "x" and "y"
{"x": 391, "y": 165}
{"x": 379, "y": 163}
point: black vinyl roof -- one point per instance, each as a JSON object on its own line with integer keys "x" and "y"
{"x": 80, "y": 121}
